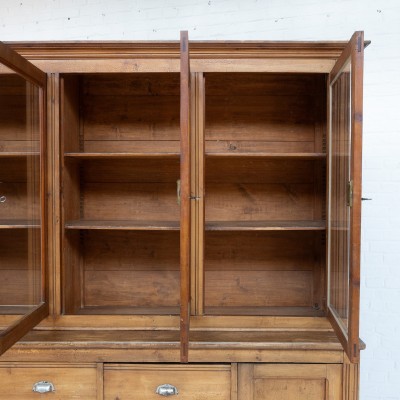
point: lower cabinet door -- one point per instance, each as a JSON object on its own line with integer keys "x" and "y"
{"x": 47, "y": 381}
{"x": 290, "y": 382}
{"x": 151, "y": 381}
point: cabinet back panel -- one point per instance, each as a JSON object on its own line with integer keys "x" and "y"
{"x": 131, "y": 251}
{"x": 131, "y": 118}
{"x": 133, "y": 170}
{"x": 131, "y": 288}
{"x": 252, "y": 189}
{"x": 14, "y": 133}
{"x": 254, "y": 202}
{"x": 129, "y": 269}
{"x": 13, "y": 169}
{"x": 260, "y": 251}
{"x": 18, "y": 275}
{"x": 259, "y": 84}
{"x": 14, "y": 186}
{"x": 261, "y": 269}
{"x": 258, "y": 288}
{"x": 258, "y": 170}
{"x": 278, "y": 110}
{"x": 130, "y": 201}
{"x": 133, "y": 189}
{"x": 130, "y": 113}
{"x": 159, "y": 84}
{"x": 12, "y": 107}
{"x": 16, "y": 205}
{"x": 237, "y": 146}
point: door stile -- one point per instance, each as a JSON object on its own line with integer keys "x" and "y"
{"x": 345, "y": 196}
{"x": 185, "y": 196}
{"x": 38, "y": 78}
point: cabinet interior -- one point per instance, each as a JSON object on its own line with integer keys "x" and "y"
{"x": 264, "y": 193}
{"x": 265, "y": 201}
{"x": 121, "y": 212}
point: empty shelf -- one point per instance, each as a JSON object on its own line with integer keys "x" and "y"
{"x": 125, "y": 225}
{"x": 265, "y": 225}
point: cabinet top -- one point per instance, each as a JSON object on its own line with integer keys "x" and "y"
{"x": 170, "y": 49}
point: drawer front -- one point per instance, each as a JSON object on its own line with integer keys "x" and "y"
{"x": 69, "y": 382}
{"x": 124, "y": 382}
{"x": 290, "y": 382}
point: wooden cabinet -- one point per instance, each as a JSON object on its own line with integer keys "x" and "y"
{"x": 192, "y": 202}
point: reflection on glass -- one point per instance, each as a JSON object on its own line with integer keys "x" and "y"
{"x": 339, "y": 213}
{"x": 20, "y": 213}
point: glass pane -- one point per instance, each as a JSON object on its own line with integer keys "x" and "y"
{"x": 339, "y": 213}
{"x": 20, "y": 212}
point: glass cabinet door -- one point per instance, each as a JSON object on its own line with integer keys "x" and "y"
{"x": 184, "y": 195}
{"x": 23, "y": 298}
{"x": 345, "y": 123}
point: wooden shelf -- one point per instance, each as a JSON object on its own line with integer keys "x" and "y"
{"x": 95, "y": 156}
{"x": 118, "y": 310}
{"x": 265, "y": 311}
{"x": 124, "y": 225}
{"x": 304, "y": 156}
{"x": 199, "y": 339}
{"x": 82, "y": 339}
{"x": 18, "y": 154}
{"x": 265, "y": 226}
{"x": 18, "y": 224}
{"x": 263, "y": 339}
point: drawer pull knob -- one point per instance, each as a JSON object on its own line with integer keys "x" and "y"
{"x": 43, "y": 387}
{"x": 167, "y": 390}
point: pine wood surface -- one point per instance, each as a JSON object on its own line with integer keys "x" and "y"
{"x": 185, "y": 196}
{"x": 256, "y": 276}
{"x": 75, "y": 381}
{"x": 293, "y": 382}
{"x": 348, "y": 331}
{"x": 200, "y": 339}
{"x": 192, "y": 382}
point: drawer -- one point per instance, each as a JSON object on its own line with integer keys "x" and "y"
{"x": 193, "y": 382}
{"x": 70, "y": 382}
{"x": 290, "y": 381}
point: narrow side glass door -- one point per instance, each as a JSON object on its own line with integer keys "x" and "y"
{"x": 344, "y": 209}
{"x": 23, "y": 291}
{"x": 185, "y": 196}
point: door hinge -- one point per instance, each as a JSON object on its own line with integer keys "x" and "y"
{"x": 350, "y": 193}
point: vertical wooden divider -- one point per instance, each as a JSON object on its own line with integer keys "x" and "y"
{"x": 185, "y": 196}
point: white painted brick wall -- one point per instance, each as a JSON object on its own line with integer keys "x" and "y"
{"x": 282, "y": 20}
